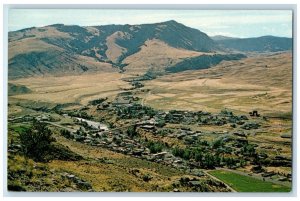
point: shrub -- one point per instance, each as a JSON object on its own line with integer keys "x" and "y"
{"x": 131, "y": 131}
{"x": 218, "y": 143}
{"x": 65, "y": 133}
{"x": 178, "y": 152}
{"x": 36, "y": 141}
{"x": 161, "y": 123}
{"x": 147, "y": 177}
{"x": 155, "y": 147}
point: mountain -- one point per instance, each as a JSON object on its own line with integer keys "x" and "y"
{"x": 220, "y": 37}
{"x": 135, "y": 49}
{"x": 71, "y": 49}
{"x": 259, "y": 44}
{"x": 203, "y": 62}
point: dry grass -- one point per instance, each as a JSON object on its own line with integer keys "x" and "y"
{"x": 239, "y": 85}
{"x": 69, "y": 89}
{"x": 114, "y": 51}
{"x": 20, "y": 46}
{"x": 32, "y": 44}
{"x": 157, "y": 55}
{"x": 116, "y": 176}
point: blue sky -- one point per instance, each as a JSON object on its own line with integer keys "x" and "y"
{"x": 235, "y": 23}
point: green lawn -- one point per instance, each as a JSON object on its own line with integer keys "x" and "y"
{"x": 243, "y": 183}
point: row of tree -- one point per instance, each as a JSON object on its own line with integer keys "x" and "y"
{"x": 207, "y": 159}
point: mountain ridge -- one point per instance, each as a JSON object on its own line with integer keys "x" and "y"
{"x": 60, "y": 49}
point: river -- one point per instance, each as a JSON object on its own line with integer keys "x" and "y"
{"x": 94, "y": 124}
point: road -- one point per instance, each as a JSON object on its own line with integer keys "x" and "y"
{"x": 60, "y": 126}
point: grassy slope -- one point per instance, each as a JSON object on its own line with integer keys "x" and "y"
{"x": 247, "y": 184}
{"x": 156, "y": 55}
{"x": 239, "y": 85}
{"x": 115, "y": 175}
{"x": 70, "y": 89}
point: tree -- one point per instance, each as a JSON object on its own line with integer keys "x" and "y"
{"x": 198, "y": 156}
{"x": 209, "y": 161}
{"x": 248, "y": 150}
{"x": 155, "y": 147}
{"x": 131, "y": 131}
{"x": 176, "y": 151}
{"x": 218, "y": 143}
{"x": 161, "y": 123}
{"x": 65, "y": 133}
{"x": 36, "y": 141}
{"x": 186, "y": 154}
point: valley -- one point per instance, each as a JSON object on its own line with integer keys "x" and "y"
{"x": 159, "y": 139}
{"x": 148, "y": 108}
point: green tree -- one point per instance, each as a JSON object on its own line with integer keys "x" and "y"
{"x": 36, "y": 141}
{"x": 186, "y": 154}
{"x": 176, "y": 151}
{"x": 131, "y": 131}
{"x": 155, "y": 147}
{"x": 248, "y": 150}
{"x": 65, "y": 133}
{"x": 198, "y": 156}
{"x": 161, "y": 123}
{"x": 209, "y": 161}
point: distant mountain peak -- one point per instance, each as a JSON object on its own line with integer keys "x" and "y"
{"x": 221, "y": 37}
{"x": 170, "y": 22}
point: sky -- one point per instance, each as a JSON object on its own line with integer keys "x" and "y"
{"x": 233, "y": 23}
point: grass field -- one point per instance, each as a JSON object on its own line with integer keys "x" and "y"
{"x": 243, "y": 183}
{"x": 72, "y": 89}
{"x": 242, "y": 86}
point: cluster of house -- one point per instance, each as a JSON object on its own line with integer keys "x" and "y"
{"x": 19, "y": 119}
{"x": 117, "y": 141}
{"x": 28, "y": 118}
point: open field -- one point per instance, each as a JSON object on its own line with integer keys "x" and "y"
{"x": 72, "y": 89}
{"x": 267, "y": 89}
{"x": 239, "y": 85}
{"x": 243, "y": 183}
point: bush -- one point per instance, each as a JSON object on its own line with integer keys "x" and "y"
{"x": 177, "y": 152}
{"x": 147, "y": 177}
{"x": 155, "y": 147}
{"x": 248, "y": 150}
{"x": 36, "y": 141}
{"x": 161, "y": 123}
{"x": 65, "y": 133}
{"x": 131, "y": 131}
{"x": 218, "y": 143}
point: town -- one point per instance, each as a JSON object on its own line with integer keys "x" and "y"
{"x": 172, "y": 138}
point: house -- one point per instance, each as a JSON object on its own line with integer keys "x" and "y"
{"x": 148, "y": 127}
{"x": 119, "y": 102}
{"x": 160, "y": 155}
